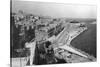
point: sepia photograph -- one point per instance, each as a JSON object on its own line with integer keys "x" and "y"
{"x": 45, "y": 33}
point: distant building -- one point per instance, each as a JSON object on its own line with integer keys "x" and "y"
{"x": 82, "y": 25}
{"x": 74, "y": 21}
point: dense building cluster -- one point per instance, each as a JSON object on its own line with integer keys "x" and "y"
{"x": 26, "y": 27}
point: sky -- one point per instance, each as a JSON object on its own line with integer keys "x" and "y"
{"x": 56, "y": 10}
